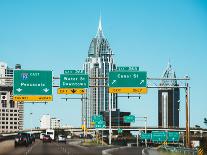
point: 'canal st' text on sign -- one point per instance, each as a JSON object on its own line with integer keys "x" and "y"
{"x": 32, "y": 85}
{"x": 128, "y": 82}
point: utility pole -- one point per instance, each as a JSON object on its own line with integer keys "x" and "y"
{"x": 187, "y": 138}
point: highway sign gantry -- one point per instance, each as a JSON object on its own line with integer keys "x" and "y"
{"x": 32, "y": 85}
{"x": 128, "y": 82}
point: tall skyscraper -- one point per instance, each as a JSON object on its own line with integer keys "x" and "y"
{"x": 11, "y": 113}
{"x": 168, "y": 101}
{"x": 98, "y": 64}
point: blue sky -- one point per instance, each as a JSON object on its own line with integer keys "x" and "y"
{"x": 55, "y": 35}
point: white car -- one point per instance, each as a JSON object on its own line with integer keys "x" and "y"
{"x": 61, "y": 139}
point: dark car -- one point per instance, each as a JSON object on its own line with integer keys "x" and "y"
{"x": 22, "y": 139}
{"x": 33, "y": 137}
{"x": 47, "y": 139}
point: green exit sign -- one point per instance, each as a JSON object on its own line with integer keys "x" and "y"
{"x": 73, "y": 81}
{"x": 127, "y": 79}
{"x": 129, "y": 119}
{"x": 32, "y": 82}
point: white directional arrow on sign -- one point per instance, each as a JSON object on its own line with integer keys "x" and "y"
{"x": 113, "y": 81}
{"x": 141, "y": 81}
{"x": 46, "y": 90}
{"x": 19, "y": 89}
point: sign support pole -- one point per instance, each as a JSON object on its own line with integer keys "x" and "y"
{"x": 145, "y": 130}
{"x": 110, "y": 121}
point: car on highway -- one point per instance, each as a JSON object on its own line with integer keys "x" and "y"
{"x": 47, "y": 139}
{"x": 61, "y": 139}
{"x": 22, "y": 139}
{"x": 42, "y": 135}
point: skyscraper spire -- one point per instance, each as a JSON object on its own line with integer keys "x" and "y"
{"x": 100, "y": 31}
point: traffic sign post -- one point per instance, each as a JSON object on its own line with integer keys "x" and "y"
{"x": 129, "y": 119}
{"x": 32, "y": 85}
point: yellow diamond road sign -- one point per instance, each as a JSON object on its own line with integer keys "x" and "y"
{"x": 32, "y": 98}
{"x": 71, "y": 91}
{"x": 128, "y": 90}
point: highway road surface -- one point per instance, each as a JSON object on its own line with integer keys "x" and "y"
{"x": 71, "y": 148}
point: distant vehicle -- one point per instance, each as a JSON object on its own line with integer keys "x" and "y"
{"x": 42, "y": 135}
{"x": 61, "y": 139}
{"x": 69, "y": 136}
{"x": 31, "y": 136}
{"x": 47, "y": 139}
{"x": 22, "y": 139}
{"x": 51, "y": 133}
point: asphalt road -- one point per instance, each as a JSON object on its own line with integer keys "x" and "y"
{"x": 72, "y": 147}
{"x": 54, "y": 148}
{"x": 127, "y": 151}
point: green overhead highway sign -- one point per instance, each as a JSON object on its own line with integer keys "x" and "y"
{"x": 100, "y": 124}
{"x": 32, "y": 82}
{"x": 146, "y": 136}
{"x": 159, "y": 136}
{"x": 97, "y": 118}
{"x": 129, "y": 119}
{"x": 127, "y": 68}
{"x": 74, "y": 72}
{"x": 73, "y": 81}
{"x": 127, "y": 79}
{"x": 120, "y": 130}
{"x": 173, "y": 136}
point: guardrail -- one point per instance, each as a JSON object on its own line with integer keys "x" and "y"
{"x": 180, "y": 150}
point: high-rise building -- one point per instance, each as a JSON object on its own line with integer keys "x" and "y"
{"x": 168, "y": 101}
{"x": 98, "y": 64}
{"x": 55, "y": 123}
{"x": 11, "y": 113}
{"x": 48, "y": 122}
{"x": 45, "y": 122}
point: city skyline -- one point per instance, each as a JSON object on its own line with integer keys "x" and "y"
{"x": 139, "y": 37}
